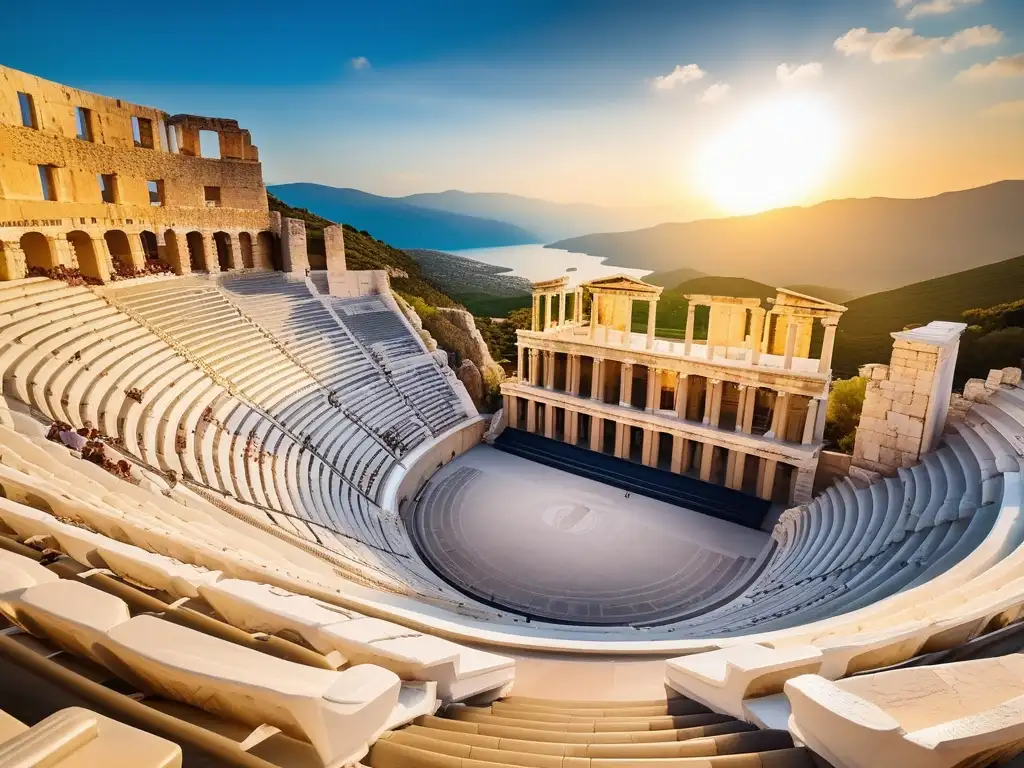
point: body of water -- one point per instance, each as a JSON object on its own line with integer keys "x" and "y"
{"x": 537, "y": 263}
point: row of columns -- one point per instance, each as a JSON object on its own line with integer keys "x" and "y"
{"x": 627, "y": 336}
{"x": 813, "y": 426}
{"x": 683, "y": 452}
{"x": 547, "y": 321}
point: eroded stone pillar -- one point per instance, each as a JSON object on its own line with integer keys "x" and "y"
{"x": 512, "y": 411}
{"x": 707, "y": 454}
{"x": 210, "y": 261}
{"x": 549, "y": 420}
{"x": 535, "y": 367}
{"x": 519, "y": 362}
{"x": 620, "y": 440}
{"x": 595, "y": 300}
{"x": 652, "y": 311}
{"x": 596, "y": 433}
{"x": 572, "y": 422}
{"x": 13, "y": 264}
{"x": 647, "y": 448}
{"x": 626, "y": 385}
{"x": 792, "y": 329}
{"x": 766, "y": 478}
{"x": 676, "y": 463}
{"x": 549, "y": 369}
{"x": 597, "y": 380}
{"x": 236, "y": 251}
{"x": 810, "y": 422}
{"x": 574, "y": 374}
{"x": 104, "y": 262}
{"x": 716, "y": 401}
{"x": 783, "y": 424}
{"x": 535, "y": 324}
{"x": 531, "y": 416}
{"x": 653, "y": 388}
{"x": 827, "y": 345}
{"x": 63, "y": 252}
{"x": 748, "y": 410}
{"x": 682, "y": 393}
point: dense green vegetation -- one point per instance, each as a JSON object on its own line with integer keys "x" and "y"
{"x": 842, "y": 415}
{"x": 863, "y": 335}
{"x": 501, "y": 336}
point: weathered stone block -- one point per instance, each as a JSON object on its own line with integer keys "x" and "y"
{"x": 1011, "y": 376}
{"x": 975, "y": 391}
{"x": 994, "y": 379}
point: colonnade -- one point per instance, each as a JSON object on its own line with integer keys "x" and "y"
{"x": 651, "y": 415}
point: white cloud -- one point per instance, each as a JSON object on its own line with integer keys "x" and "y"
{"x": 936, "y": 7}
{"x": 681, "y": 75}
{"x": 1004, "y": 66}
{"x": 903, "y": 3}
{"x": 1007, "y": 109}
{"x": 715, "y": 92}
{"x": 901, "y": 44}
{"x": 360, "y": 62}
{"x": 792, "y": 75}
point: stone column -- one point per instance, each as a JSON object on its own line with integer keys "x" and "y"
{"x": 236, "y": 251}
{"x": 655, "y": 448}
{"x": 512, "y": 411}
{"x": 707, "y": 453}
{"x": 103, "y": 258}
{"x": 596, "y": 433}
{"x": 791, "y": 332}
{"x": 561, "y": 308}
{"x": 549, "y": 369}
{"x": 682, "y": 393}
{"x": 549, "y": 420}
{"x": 716, "y": 401}
{"x": 652, "y": 311}
{"x": 535, "y": 367}
{"x": 575, "y": 364}
{"x": 627, "y": 338}
{"x": 138, "y": 253}
{"x": 571, "y": 425}
{"x": 63, "y": 252}
{"x": 748, "y": 410}
{"x": 595, "y": 301}
{"x": 13, "y": 263}
{"x": 810, "y": 422}
{"x": 819, "y": 425}
{"x": 709, "y": 400}
{"x": 687, "y": 454}
{"x": 741, "y": 407}
{"x": 676, "y": 464}
{"x": 535, "y": 324}
{"x": 827, "y": 345}
{"x": 210, "y": 262}
{"x": 688, "y": 341}
{"x": 783, "y": 424}
{"x": 739, "y": 463}
{"x": 773, "y": 428}
{"x": 648, "y": 448}
{"x": 730, "y": 467}
{"x": 803, "y": 486}
{"x": 626, "y": 385}
{"x": 766, "y": 478}
{"x": 531, "y": 416}
{"x": 519, "y": 362}
{"x": 620, "y": 440}
{"x": 756, "y": 333}
{"x": 597, "y": 380}
{"x": 653, "y": 388}
{"x": 577, "y": 305}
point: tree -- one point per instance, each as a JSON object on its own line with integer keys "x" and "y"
{"x": 842, "y": 416}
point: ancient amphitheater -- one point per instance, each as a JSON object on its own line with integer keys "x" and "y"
{"x": 247, "y": 518}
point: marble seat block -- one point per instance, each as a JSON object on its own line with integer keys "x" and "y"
{"x": 922, "y": 717}
{"x": 339, "y": 713}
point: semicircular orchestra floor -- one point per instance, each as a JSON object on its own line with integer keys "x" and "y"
{"x": 559, "y": 547}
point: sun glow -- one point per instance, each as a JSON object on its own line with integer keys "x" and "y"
{"x": 773, "y": 155}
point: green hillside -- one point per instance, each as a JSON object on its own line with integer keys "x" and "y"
{"x": 863, "y": 334}
{"x": 724, "y": 286}
{"x": 363, "y": 251}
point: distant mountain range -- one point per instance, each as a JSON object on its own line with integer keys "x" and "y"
{"x": 860, "y": 246}
{"x": 401, "y": 224}
{"x": 550, "y": 221}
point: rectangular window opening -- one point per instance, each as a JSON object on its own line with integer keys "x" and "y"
{"x": 48, "y": 182}
{"x": 83, "y": 119}
{"x": 108, "y": 187}
{"x": 209, "y": 144}
{"x": 142, "y": 132}
{"x": 212, "y": 196}
{"x": 156, "y": 191}
{"x": 28, "y": 110}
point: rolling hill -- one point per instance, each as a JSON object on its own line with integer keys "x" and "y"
{"x": 863, "y": 333}
{"x": 861, "y": 246}
{"x": 398, "y": 222}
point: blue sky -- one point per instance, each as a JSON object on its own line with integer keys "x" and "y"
{"x": 550, "y": 99}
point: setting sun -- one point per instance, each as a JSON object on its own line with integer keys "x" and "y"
{"x": 773, "y": 155}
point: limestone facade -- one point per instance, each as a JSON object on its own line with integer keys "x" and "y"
{"x": 743, "y": 408}
{"x": 906, "y": 402}
{"x": 106, "y": 187}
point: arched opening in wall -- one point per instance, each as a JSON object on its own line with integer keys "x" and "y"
{"x": 38, "y": 253}
{"x": 196, "y": 252}
{"x": 149, "y": 245}
{"x": 173, "y": 252}
{"x": 119, "y": 247}
{"x": 265, "y": 252}
{"x": 88, "y": 260}
{"x": 245, "y": 243}
{"x": 223, "y": 243}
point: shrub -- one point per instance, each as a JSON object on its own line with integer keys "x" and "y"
{"x": 842, "y": 416}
